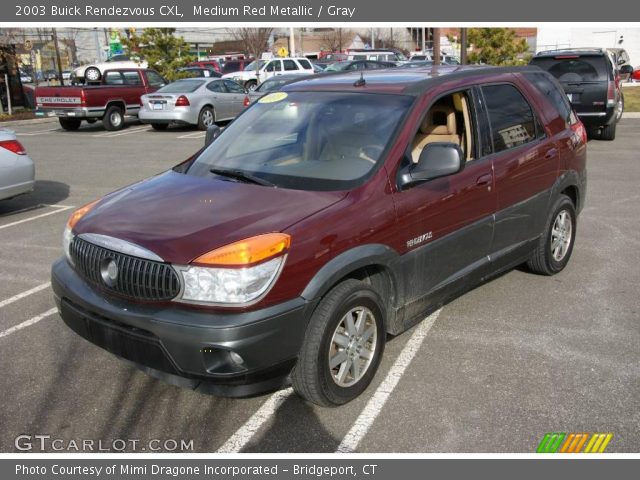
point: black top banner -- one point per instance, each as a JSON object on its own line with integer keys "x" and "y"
{"x": 312, "y": 11}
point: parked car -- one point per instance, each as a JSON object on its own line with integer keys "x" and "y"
{"x": 193, "y": 101}
{"x": 17, "y": 172}
{"x": 621, "y": 58}
{"x": 273, "y": 84}
{"x": 50, "y": 75}
{"x": 327, "y": 215}
{"x": 635, "y": 76}
{"x": 380, "y": 55}
{"x": 592, "y": 83}
{"x": 200, "y": 72}
{"x": 357, "y": 65}
{"x": 92, "y": 73}
{"x": 232, "y": 66}
{"x": 417, "y": 64}
{"x": 210, "y": 64}
{"x": 444, "y": 58}
{"x": 25, "y": 77}
{"x": 66, "y": 74}
{"x": 270, "y": 68}
{"x": 118, "y": 95}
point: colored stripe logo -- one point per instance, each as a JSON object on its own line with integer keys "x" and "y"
{"x": 574, "y": 443}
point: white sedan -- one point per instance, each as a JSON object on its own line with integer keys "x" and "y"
{"x": 92, "y": 73}
{"x": 17, "y": 172}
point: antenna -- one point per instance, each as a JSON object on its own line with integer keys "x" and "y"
{"x": 361, "y": 82}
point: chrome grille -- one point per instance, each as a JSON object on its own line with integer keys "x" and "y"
{"x": 137, "y": 278}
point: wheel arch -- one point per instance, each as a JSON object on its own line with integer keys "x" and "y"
{"x": 568, "y": 184}
{"x": 372, "y": 264}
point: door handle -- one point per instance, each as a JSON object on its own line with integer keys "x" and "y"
{"x": 551, "y": 153}
{"x": 484, "y": 179}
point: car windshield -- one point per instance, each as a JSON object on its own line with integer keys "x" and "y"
{"x": 307, "y": 140}
{"x": 252, "y": 65}
{"x": 182, "y": 86}
{"x": 337, "y": 67}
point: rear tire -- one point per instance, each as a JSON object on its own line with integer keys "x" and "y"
{"x": 549, "y": 257}
{"x": 70, "y": 124}
{"x": 356, "y": 352}
{"x": 608, "y": 132}
{"x": 159, "y": 126}
{"x": 206, "y": 118}
{"x": 114, "y": 118}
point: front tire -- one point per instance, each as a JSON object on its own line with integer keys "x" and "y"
{"x": 70, "y": 124}
{"x": 343, "y": 345}
{"x": 556, "y": 244}
{"x": 114, "y": 118}
{"x": 251, "y": 85}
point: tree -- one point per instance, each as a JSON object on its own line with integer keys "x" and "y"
{"x": 162, "y": 50}
{"x": 497, "y": 46}
{"x": 336, "y": 39}
{"x": 254, "y": 40}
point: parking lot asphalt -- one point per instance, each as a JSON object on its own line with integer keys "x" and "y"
{"x": 492, "y": 371}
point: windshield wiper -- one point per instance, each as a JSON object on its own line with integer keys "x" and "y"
{"x": 240, "y": 175}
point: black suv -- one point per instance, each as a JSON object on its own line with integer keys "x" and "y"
{"x": 591, "y": 80}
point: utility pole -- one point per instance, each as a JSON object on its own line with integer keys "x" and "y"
{"x": 424, "y": 39}
{"x": 373, "y": 39}
{"x": 57, "y": 48}
{"x": 96, "y": 39}
{"x": 463, "y": 46}
{"x": 436, "y": 46}
{"x": 292, "y": 42}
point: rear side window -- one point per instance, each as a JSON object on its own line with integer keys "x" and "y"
{"x": 132, "y": 78}
{"x": 553, "y": 92}
{"x": 113, "y": 78}
{"x": 290, "y": 65}
{"x": 510, "y": 116}
{"x": 576, "y": 69}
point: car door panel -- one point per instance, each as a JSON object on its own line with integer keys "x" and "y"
{"x": 220, "y": 99}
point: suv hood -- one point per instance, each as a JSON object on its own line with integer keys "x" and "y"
{"x": 180, "y": 217}
{"x": 243, "y": 74}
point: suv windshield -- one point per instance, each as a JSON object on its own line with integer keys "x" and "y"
{"x": 307, "y": 140}
{"x": 252, "y": 65}
{"x": 574, "y": 68}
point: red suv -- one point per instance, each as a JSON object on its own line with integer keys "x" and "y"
{"x": 325, "y": 216}
{"x": 211, "y": 64}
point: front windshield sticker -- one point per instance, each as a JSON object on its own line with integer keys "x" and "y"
{"x": 273, "y": 97}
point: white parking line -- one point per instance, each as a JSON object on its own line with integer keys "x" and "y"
{"x": 194, "y": 135}
{"x": 128, "y": 131}
{"x": 58, "y": 209}
{"x": 17, "y": 297}
{"x": 29, "y": 322}
{"x": 37, "y": 132}
{"x": 375, "y": 405}
{"x": 243, "y": 435}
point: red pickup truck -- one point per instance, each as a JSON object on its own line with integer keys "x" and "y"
{"x": 118, "y": 95}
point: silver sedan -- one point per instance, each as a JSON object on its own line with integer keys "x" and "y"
{"x": 193, "y": 101}
{"x": 17, "y": 172}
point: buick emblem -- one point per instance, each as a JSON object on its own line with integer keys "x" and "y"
{"x": 109, "y": 271}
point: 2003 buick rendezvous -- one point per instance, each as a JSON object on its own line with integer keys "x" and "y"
{"x": 324, "y": 217}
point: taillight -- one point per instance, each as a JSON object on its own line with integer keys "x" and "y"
{"x": 83, "y": 98}
{"x": 13, "y": 146}
{"x": 578, "y": 128}
{"x": 611, "y": 94}
{"x": 182, "y": 101}
{"x": 246, "y": 102}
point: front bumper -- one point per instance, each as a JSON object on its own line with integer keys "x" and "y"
{"x": 173, "y": 116}
{"x": 186, "y": 346}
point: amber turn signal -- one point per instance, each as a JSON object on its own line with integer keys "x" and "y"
{"x": 79, "y": 213}
{"x": 247, "y": 251}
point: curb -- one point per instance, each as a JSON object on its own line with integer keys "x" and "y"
{"x": 630, "y": 115}
{"x": 10, "y": 123}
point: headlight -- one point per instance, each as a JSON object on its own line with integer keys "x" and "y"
{"x": 67, "y": 236}
{"x": 229, "y": 285}
{"x": 237, "y": 274}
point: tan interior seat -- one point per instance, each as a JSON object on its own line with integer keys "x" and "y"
{"x": 438, "y": 126}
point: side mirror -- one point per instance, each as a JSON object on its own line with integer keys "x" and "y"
{"x": 213, "y": 132}
{"x": 626, "y": 69}
{"x": 436, "y": 160}
{"x": 621, "y": 61}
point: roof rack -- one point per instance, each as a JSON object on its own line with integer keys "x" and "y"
{"x": 565, "y": 50}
